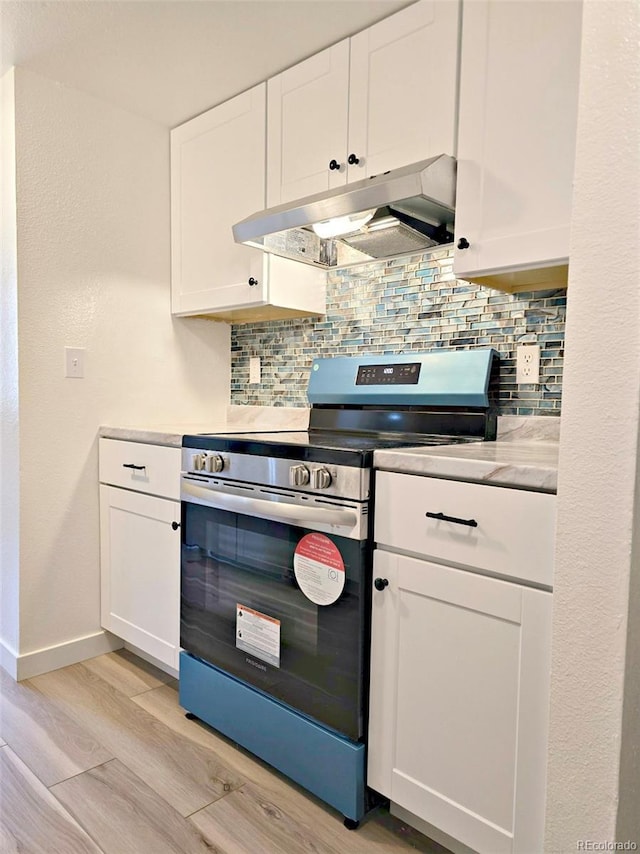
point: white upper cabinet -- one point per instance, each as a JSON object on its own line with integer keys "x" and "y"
{"x": 516, "y": 145}
{"x": 217, "y": 179}
{"x": 307, "y": 126}
{"x": 380, "y": 100}
{"x": 403, "y": 88}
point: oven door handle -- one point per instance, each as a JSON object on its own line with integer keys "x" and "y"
{"x": 274, "y": 510}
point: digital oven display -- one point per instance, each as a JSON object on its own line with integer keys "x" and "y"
{"x": 405, "y": 374}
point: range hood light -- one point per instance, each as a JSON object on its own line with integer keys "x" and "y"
{"x": 339, "y": 225}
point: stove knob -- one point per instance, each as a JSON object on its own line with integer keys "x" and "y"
{"x": 214, "y": 463}
{"x": 197, "y": 462}
{"x": 321, "y": 478}
{"x": 298, "y": 475}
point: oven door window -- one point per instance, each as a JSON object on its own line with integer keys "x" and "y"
{"x": 243, "y": 611}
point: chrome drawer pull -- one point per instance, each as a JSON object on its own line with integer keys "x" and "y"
{"x": 470, "y": 522}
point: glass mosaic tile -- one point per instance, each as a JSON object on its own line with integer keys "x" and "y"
{"x": 403, "y": 305}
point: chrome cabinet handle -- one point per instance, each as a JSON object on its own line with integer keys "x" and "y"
{"x": 470, "y": 522}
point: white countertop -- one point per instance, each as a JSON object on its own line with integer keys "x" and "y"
{"x": 235, "y": 419}
{"x": 160, "y": 434}
{"x": 525, "y": 455}
{"x": 523, "y": 464}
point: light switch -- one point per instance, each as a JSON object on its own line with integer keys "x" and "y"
{"x": 74, "y": 362}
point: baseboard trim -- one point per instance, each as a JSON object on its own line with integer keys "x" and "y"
{"x": 61, "y": 655}
{"x": 8, "y": 659}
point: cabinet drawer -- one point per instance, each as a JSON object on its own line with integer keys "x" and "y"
{"x": 146, "y": 468}
{"x": 513, "y": 536}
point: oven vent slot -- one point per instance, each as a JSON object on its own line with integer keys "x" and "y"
{"x": 278, "y": 493}
{"x": 235, "y": 485}
{"x": 341, "y": 504}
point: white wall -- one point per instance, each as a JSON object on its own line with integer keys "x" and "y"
{"x": 93, "y": 272}
{"x": 9, "y": 472}
{"x": 596, "y": 589}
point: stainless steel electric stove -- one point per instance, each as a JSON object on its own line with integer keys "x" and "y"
{"x": 276, "y": 559}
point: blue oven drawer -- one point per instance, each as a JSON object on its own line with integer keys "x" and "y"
{"x": 324, "y": 763}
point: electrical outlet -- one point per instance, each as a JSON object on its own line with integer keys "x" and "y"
{"x": 528, "y": 364}
{"x": 254, "y": 370}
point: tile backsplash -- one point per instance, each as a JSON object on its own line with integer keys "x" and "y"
{"x": 404, "y": 305}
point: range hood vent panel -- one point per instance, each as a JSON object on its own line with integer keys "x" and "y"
{"x": 396, "y": 239}
{"x": 421, "y": 193}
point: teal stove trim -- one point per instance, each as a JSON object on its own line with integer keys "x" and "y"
{"x": 328, "y": 765}
{"x": 458, "y": 378}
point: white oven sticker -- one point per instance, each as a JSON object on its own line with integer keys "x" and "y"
{"x": 258, "y": 634}
{"x": 319, "y": 569}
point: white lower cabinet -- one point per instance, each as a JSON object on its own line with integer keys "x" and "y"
{"x": 460, "y": 665}
{"x": 140, "y": 548}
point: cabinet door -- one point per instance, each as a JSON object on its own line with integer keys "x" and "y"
{"x": 403, "y": 88}
{"x": 459, "y": 695}
{"x": 140, "y": 571}
{"x": 217, "y": 179}
{"x": 307, "y": 126}
{"x": 516, "y": 146}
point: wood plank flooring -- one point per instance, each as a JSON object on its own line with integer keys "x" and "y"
{"x": 99, "y": 758}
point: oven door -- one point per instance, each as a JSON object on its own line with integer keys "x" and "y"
{"x": 273, "y": 597}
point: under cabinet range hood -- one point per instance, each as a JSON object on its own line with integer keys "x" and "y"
{"x": 405, "y": 210}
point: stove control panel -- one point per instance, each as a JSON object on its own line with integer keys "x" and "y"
{"x": 299, "y": 475}
{"x": 212, "y": 466}
{"x": 402, "y": 374}
{"x": 321, "y": 478}
{"x": 212, "y": 463}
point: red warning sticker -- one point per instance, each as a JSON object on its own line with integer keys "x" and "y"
{"x": 319, "y": 569}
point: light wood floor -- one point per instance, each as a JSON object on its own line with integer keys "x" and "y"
{"x": 98, "y": 757}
